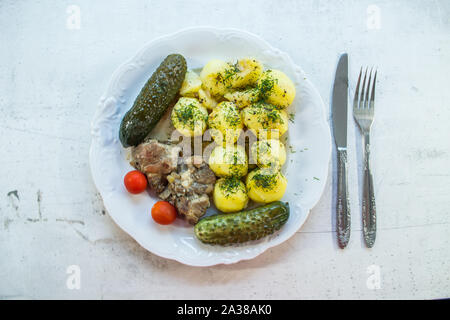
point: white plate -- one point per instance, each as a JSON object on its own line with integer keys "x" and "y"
{"x": 306, "y": 169}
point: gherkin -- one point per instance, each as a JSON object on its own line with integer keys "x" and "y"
{"x": 229, "y": 228}
{"x": 153, "y": 100}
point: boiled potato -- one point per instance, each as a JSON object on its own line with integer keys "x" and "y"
{"x": 212, "y": 77}
{"x": 191, "y": 84}
{"x": 225, "y": 123}
{"x": 189, "y": 117}
{"x": 269, "y": 153}
{"x": 266, "y": 185}
{"x": 230, "y": 194}
{"x": 243, "y": 98}
{"x": 205, "y": 98}
{"x": 219, "y": 77}
{"x": 247, "y": 73}
{"x": 276, "y": 88}
{"x": 229, "y": 161}
{"x": 265, "y": 120}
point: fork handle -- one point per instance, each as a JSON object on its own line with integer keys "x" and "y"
{"x": 342, "y": 204}
{"x": 368, "y": 200}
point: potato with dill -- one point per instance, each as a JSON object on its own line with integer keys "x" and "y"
{"x": 219, "y": 77}
{"x": 229, "y": 161}
{"x": 247, "y": 72}
{"x": 276, "y": 88}
{"x": 266, "y": 185}
{"x": 189, "y": 117}
{"x": 230, "y": 194}
{"x": 243, "y": 98}
{"x": 269, "y": 153}
{"x": 265, "y": 120}
{"x": 213, "y": 77}
{"x": 225, "y": 123}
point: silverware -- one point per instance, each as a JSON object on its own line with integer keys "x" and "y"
{"x": 339, "y": 113}
{"x": 363, "y": 112}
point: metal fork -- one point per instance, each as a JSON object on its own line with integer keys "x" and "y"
{"x": 363, "y": 112}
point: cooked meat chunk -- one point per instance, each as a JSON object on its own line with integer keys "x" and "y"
{"x": 185, "y": 183}
{"x": 189, "y": 187}
{"x": 156, "y": 160}
{"x": 193, "y": 206}
{"x": 155, "y": 157}
{"x": 156, "y": 181}
{"x": 204, "y": 175}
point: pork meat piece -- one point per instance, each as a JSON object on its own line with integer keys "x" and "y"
{"x": 192, "y": 207}
{"x": 188, "y": 188}
{"x": 156, "y": 160}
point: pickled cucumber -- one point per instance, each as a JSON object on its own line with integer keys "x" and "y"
{"x": 242, "y": 226}
{"x": 153, "y": 100}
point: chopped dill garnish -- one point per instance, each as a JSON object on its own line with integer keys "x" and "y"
{"x": 235, "y": 158}
{"x": 185, "y": 113}
{"x": 291, "y": 117}
{"x": 230, "y": 185}
{"x": 228, "y": 74}
{"x": 274, "y": 116}
{"x": 269, "y": 114}
{"x": 264, "y": 180}
{"x": 266, "y": 85}
{"x": 189, "y": 114}
{"x": 232, "y": 116}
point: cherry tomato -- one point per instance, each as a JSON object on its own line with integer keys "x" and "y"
{"x": 163, "y": 212}
{"x": 135, "y": 182}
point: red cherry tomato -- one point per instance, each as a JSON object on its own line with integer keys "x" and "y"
{"x": 135, "y": 182}
{"x": 163, "y": 212}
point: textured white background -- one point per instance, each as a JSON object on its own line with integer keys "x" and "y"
{"x": 51, "y": 78}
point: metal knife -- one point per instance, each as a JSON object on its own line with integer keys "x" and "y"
{"x": 339, "y": 114}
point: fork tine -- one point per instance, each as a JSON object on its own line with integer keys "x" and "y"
{"x": 372, "y": 96}
{"x": 366, "y": 100}
{"x": 361, "y": 98}
{"x": 355, "y": 99}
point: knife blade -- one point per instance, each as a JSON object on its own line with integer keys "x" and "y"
{"x": 339, "y": 115}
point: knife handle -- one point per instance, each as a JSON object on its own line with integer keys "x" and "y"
{"x": 368, "y": 200}
{"x": 342, "y": 205}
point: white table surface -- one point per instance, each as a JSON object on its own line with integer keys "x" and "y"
{"x": 51, "y": 217}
